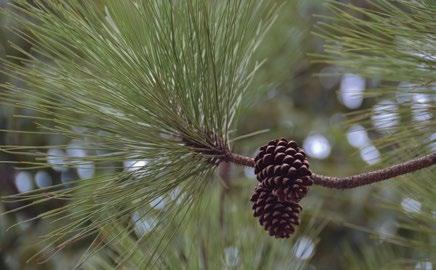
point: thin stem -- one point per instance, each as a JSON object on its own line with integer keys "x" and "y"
{"x": 355, "y": 180}
{"x": 239, "y": 159}
{"x": 375, "y": 176}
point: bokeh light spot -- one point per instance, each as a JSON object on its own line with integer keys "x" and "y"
{"x": 24, "y": 182}
{"x": 134, "y": 165}
{"x": 351, "y": 90}
{"x": 410, "y": 205}
{"x": 385, "y": 116}
{"x": 304, "y": 248}
{"x": 357, "y": 136}
{"x": 426, "y": 265}
{"x": 143, "y": 224}
{"x": 56, "y": 159}
{"x": 158, "y": 203}
{"x": 370, "y": 154}
{"x": 43, "y": 179}
{"x": 231, "y": 256}
{"x": 317, "y": 146}
{"x": 85, "y": 170}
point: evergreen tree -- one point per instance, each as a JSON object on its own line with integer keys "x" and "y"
{"x": 152, "y": 92}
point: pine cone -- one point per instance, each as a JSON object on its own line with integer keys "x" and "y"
{"x": 286, "y": 189}
{"x": 278, "y": 218}
{"x": 282, "y": 167}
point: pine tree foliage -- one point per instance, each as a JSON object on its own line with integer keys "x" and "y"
{"x": 394, "y": 43}
{"x": 160, "y": 83}
{"x": 377, "y": 41}
{"x": 155, "y": 82}
{"x": 214, "y": 239}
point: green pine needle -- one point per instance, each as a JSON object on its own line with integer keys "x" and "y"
{"x": 394, "y": 43}
{"x": 132, "y": 80}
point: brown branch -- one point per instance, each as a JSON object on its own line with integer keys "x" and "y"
{"x": 223, "y": 153}
{"x": 355, "y": 180}
{"x": 239, "y": 159}
{"x": 375, "y": 176}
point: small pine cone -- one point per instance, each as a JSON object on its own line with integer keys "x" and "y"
{"x": 283, "y": 167}
{"x": 278, "y": 218}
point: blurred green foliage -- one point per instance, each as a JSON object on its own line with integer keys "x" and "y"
{"x": 385, "y": 226}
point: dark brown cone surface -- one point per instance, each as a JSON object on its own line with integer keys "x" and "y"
{"x": 278, "y": 218}
{"x": 283, "y": 167}
{"x": 286, "y": 189}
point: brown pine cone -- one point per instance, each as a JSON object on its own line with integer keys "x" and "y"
{"x": 283, "y": 167}
{"x": 286, "y": 189}
{"x": 278, "y": 218}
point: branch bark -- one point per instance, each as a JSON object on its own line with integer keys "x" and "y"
{"x": 358, "y": 180}
{"x": 239, "y": 159}
{"x": 375, "y": 176}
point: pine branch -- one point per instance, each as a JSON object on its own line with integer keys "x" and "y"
{"x": 170, "y": 107}
{"x": 375, "y": 176}
{"x": 145, "y": 86}
{"x": 358, "y": 180}
{"x": 240, "y": 160}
